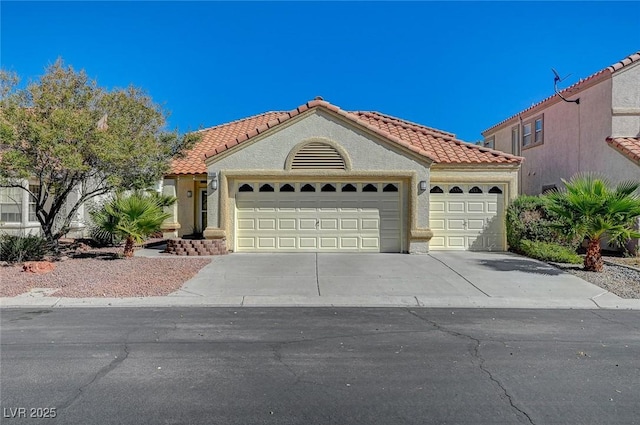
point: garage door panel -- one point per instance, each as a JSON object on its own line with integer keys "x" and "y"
{"x": 349, "y": 224}
{"x": 287, "y": 243}
{"x": 266, "y": 224}
{"x": 246, "y": 224}
{"x": 318, "y": 221}
{"x": 456, "y": 224}
{"x": 307, "y": 223}
{"x": 329, "y": 224}
{"x": 330, "y": 243}
{"x": 475, "y": 207}
{"x": 436, "y": 206}
{"x": 475, "y": 224}
{"x": 266, "y": 242}
{"x": 455, "y": 206}
{"x": 287, "y": 224}
{"x": 349, "y": 242}
{"x": 308, "y": 242}
{"x": 473, "y": 221}
{"x": 246, "y": 243}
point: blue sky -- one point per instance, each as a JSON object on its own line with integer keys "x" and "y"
{"x": 457, "y": 66}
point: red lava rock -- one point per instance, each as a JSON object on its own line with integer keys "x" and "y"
{"x": 38, "y": 267}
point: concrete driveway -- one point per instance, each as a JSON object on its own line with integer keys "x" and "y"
{"x": 462, "y": 279}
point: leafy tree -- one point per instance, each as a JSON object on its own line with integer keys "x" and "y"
{"x": 593, "y": 208}
{"x": 67, "y": 133}
{"x": 131, "y": 217}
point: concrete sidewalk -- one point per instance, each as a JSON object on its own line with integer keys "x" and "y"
{"x": 440, "y": 279}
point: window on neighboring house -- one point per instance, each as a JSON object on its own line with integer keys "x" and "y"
{"x": 490, "y": 142}
{"x": 538, "y": 131}
{"x": 526, "y": 134}
{"x": 515, "y": 140}
{"x": 35, "y": 189}
{"x": 10, "y": 204}
{"x": 533, "y": 132}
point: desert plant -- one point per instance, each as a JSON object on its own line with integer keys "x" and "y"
{"x": 592, "y": 207}
{"x": 16, "y": 249}
{"x": 528, "y": 218}
{"x": 131, "y": 217}
{"x": 547, "y": 251}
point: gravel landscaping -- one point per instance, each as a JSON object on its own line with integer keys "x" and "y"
{"x": 103, "y": 274}
{"x": 618, "y": 279}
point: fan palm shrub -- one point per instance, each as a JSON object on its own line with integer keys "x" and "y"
{"x": 131, "y": 217}
{"x": 592, "y": 208}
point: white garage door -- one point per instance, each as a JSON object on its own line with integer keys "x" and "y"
{"x": 314, "y": 217}
{"x": 466, "y": 217}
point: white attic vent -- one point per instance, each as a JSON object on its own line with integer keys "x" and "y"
{"x": 318, "y": 156}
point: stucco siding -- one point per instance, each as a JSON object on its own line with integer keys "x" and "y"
{"x": 366, "y": 154}
{"x": 626, "y": 102}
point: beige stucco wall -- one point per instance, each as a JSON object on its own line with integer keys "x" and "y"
{"x": 574, "y": 139}
{"x": 371, "y": 158}
{"x": 626, "y": 102}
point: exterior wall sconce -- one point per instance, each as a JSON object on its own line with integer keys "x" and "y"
{"x": 214, "y": 180}
{"x": 189, "y": 194}
{"x": 423, "y": 185}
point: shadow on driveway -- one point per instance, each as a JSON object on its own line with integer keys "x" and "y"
{"x": 509, "y": 265}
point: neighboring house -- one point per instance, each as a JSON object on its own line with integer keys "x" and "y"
{"x": 18, "y": 214}
{"x": 558, "y": 139}
{"x": 321, "y": 179}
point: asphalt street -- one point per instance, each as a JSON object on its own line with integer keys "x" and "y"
{"x": 319, "y": 366}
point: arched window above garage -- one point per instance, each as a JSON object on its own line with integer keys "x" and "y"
{"x": 317, "y": 155}
{"x": 287, "y": 188}
{"x": 245, "y": 188}
{"x": 436, "y": 189}
{"x": 455, "y": 189}
{"x": 266, "y": 188}
{"x": 308, "y": 188}
{"x": 328, "y": 188}
{"x": 475, "y": 189}
{"x": 369, "y": 188}
{"x": 349, "y": 188}
{"x": 390, "y": 187}
{"x": 495, "y": 189}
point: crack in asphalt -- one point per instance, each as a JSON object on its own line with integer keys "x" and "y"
{"x": 121, "y": 357}
{"x": 476, "y": 354}
{"x": 626, "y": 325}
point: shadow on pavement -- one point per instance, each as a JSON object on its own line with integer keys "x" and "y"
{"x": 506, "y": 265}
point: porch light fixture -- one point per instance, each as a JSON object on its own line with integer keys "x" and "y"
{"x": 189, "y": 194}
{"x": 423, "y": 185}
{"x": 214, "y": 180}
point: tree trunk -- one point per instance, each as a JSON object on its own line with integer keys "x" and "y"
{"x": 128, "y": 247}
{"x": 593, "y": 258}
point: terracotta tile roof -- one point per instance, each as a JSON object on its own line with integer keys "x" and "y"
{"x": 575, "y": 88}
{"x": 628, "y": 146}
{"x": 437, "y": 145}
{"x": 214, "y": 138}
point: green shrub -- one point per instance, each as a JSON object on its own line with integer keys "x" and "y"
{"x": 547, "y": 251}
{"x": 16, "y": 249}
{"x": 528, "y": 218}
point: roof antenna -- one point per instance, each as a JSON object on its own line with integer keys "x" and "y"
{"x": 556, "y": 80}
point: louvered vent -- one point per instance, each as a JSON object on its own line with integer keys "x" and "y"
{"x": 316, "y": 156}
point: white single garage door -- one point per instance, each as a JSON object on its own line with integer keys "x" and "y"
{"x": 467, "y": 217}
{"x": 318, "y": 217}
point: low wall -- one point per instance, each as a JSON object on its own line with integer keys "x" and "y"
{"x": 196, "y": 247}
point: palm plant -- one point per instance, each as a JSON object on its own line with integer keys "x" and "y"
{"x": 592, "y": 208}
{"x": 131, "y": 217}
